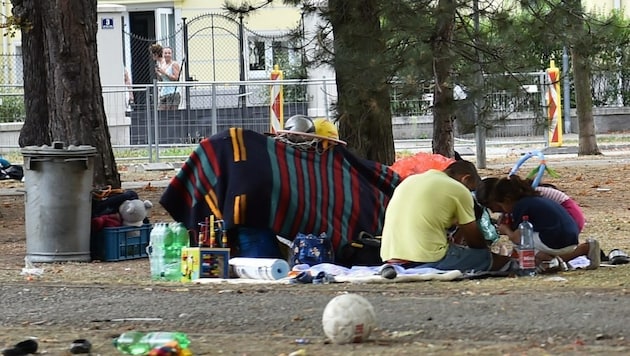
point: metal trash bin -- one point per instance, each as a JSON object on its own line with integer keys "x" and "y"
{"x": 58, "y": 202}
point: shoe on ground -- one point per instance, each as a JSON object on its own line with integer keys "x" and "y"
{"x": 618, "y": 257}
{"x": 80, "y": 346}
{"x": 594, "y": 254}
{"x": 23, "y": 348}
{"x": 388, "y": 272}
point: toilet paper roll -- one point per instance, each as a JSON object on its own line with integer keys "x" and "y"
{"x": 260, "y": 268}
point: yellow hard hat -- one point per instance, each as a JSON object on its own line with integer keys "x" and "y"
{"x": 326, "y": 128}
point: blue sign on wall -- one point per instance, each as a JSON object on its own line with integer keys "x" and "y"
{"x": 107, "y": 23}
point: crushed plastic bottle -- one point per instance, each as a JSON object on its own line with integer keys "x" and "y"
{"x": 139, "y": 343}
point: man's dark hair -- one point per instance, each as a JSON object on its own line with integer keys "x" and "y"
{"x": 462, "y": 168}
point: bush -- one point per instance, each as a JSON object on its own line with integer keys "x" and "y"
{"x": 12, "y": 109}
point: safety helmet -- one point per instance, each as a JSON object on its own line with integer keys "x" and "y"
{"x": 326, "y": 128}
{"x": 299, "y": 123}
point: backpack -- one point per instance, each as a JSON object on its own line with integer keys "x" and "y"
{"x": 365, "y": 250}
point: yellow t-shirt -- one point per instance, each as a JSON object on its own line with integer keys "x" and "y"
{"x": 422, "y": 207}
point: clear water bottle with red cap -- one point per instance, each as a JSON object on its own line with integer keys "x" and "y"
{"x": 526, "y": 251}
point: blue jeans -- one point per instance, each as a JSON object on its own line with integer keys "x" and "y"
{"x": 460, "y": 257}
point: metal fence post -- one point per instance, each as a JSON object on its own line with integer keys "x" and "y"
{"x": 147, "y": 103}
{"x": 214, "y": 108}
{"x": 156, "y": 100}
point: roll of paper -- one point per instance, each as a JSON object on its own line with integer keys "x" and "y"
{"x": 260, "y": 268}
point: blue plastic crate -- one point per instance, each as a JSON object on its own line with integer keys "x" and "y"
{"x": 121, "y": 243}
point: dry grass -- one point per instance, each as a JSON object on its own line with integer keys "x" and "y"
{"x": 606, "y": 210}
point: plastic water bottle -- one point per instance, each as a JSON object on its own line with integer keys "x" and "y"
{"x": 131, "y": 343}
{"x": 527, "y": 254}
{"x": 156, "y": 250}
{"x": 171, "y": 255}
{"x": 176, "y": 239}
{"x": 161, "y": 338}
{"x": 139, "y": 343}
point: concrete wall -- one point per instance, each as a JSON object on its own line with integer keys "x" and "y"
{"x": 607, "y": 120}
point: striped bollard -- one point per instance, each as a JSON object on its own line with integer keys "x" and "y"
{"x": 553, "y": 105}
{"x": 276, "y": 107}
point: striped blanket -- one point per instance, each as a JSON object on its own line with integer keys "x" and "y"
{"x": 251, "y": 180}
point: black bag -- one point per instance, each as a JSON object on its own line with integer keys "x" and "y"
{"x": 108, "y": 201}
{"x": 12, "y": 172}
{"x": 365, "y": 250}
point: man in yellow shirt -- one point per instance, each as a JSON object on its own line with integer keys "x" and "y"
{"x": 422, "y": 208}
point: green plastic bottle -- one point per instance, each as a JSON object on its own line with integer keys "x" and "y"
{"x": 131, "y": 343}
{"x": 177, "y": 239}
{"x": 139, "y": 343}
{"x": 161, "y": 338}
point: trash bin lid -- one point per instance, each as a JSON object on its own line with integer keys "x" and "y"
{"x": 58, "y": 149}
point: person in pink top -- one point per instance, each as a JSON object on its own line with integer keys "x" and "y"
{"x": 571, "y": 206}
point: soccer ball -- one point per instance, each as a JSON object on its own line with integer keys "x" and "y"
{"x": 348, "y": 318}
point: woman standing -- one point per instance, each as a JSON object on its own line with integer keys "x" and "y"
{"x": 168, "y": 71}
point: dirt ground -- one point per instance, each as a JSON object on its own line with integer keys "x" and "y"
{"x": 576, "y": 312}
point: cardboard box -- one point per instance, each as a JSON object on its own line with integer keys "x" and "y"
{"x": 205, "y": 262}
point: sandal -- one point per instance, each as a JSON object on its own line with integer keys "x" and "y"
{"x": 618, "y": 257}
{"x": 554, "y": 265}
{"x": 594, "y": 254}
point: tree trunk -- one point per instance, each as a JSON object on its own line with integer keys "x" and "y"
{"x": 62, "y": 87}
{"x": 584, "y": 104}
{"x": 36, "y": 129}
{"x": 443, "y": 102}
{"x": 363, "y": 106}
{"x": 582, "y": 80}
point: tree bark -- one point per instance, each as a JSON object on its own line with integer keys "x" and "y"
{"x": 443, "y": 102}
{"x": 587, "y": 143}
{"x": 363, "y": 106}
{"x": 36, "y": 129}
{"x": 63, "y": 94}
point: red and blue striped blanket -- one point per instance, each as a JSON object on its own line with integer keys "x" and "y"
{"x": 252, "y": 180}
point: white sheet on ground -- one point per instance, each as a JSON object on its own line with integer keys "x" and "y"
{"x": 356, "y": 274}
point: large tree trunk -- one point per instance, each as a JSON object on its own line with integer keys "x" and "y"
{"x": 582, "y": 80}
{"x": 63, "y": 94}
{"x": 443, "y": 103}
{"x": 584, "y": 104}
{"x": 363, "y": 105}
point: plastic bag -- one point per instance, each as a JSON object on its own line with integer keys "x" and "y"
{"x": 420, "y": 163}
{"x": 486, "y": 227}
